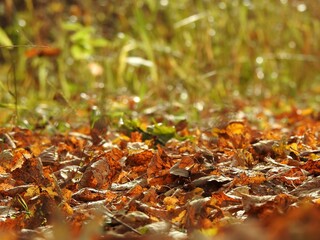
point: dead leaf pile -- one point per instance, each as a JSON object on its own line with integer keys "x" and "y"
{"x": 233, "y": 181}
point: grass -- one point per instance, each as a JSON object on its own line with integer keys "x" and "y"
{"x": 189, "y": 53}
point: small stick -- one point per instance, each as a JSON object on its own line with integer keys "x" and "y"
{"x": 121, "y": 222}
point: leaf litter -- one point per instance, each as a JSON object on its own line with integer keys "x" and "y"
{"x": 231, "y": 180}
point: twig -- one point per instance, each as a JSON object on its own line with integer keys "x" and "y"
{"x": 121, "y": 222}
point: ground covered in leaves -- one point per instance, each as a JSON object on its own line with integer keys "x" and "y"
{"x": 237, "y": 179}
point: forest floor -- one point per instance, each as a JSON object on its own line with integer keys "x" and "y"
{"x": 159, "y": 119}
{"x": 242, "y": 177}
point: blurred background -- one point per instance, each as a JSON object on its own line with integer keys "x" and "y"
{"x": 59, "y": 59}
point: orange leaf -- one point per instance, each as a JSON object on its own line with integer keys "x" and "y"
{"x": 43, "y": 52}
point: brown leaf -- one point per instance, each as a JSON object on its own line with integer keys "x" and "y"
{"x": 49, "y": 155}
{"x": 297, "y": 223}
{"x": 265, "y": 206}
{"x": 195, "y": 212}
{"x": 313, "y": 167}
{"x": 14, "y": 191}
{"x": 6, "y": 141}
{"x": 180, "y": 172}
{"x": 212, "y": 179}
{"x": 135, "y": 219}
{"x": 158, "y": 171}
{"x": 136, "y": 137}
{"x": 182, "y": 168}
{"x": 10, "y": 160}
{"x": 43, "y": 210}
{"x": 140, "y": 158}
{"x": 220, "y": 199}
{"x": 13, "y": 224}
{"x": 310, "y": 188}
{"x": 244, "y": 179}
{"x": 96, "y": 175}
{"x": 31, "y": 171}
{"x": 264, "y": 147}
{"x": 98, "y": 130}
{"x": 89, "y": 194}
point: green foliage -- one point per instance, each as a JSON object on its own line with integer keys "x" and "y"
{"x": 83, "y": 40}
{"x": 186, "y": 52}
{"x": 4, "y": 39}
{"x": 160, "y": 132}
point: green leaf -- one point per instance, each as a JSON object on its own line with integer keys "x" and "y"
{"x": 11, "y": 106}
{"x": 131, "y": 125}
{"x": 99, "y": 42}
{"x": 4, "y": 39}
{"x": 78, "y": 52}
{"x": 71, "y": 26}
{"x": 82, "y": 35}
{"x": 163, "y": 132}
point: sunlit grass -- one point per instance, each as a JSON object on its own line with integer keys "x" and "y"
{"x": 182, "y": 52}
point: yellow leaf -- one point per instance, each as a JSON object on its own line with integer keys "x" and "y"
{"x": 32, "y": 192}
{"x": 170, "y": 202}
{"x": 180, "y": 218}
{"x": 306, "y": 111}
{"x": 215, "y": 132}
{"x": 293, "y": 147}
{"x": 50, "y": 191}
{"x": 210, "y": 231}
{"x": 66, "y": 208}
{"x": 235, "y": 128}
